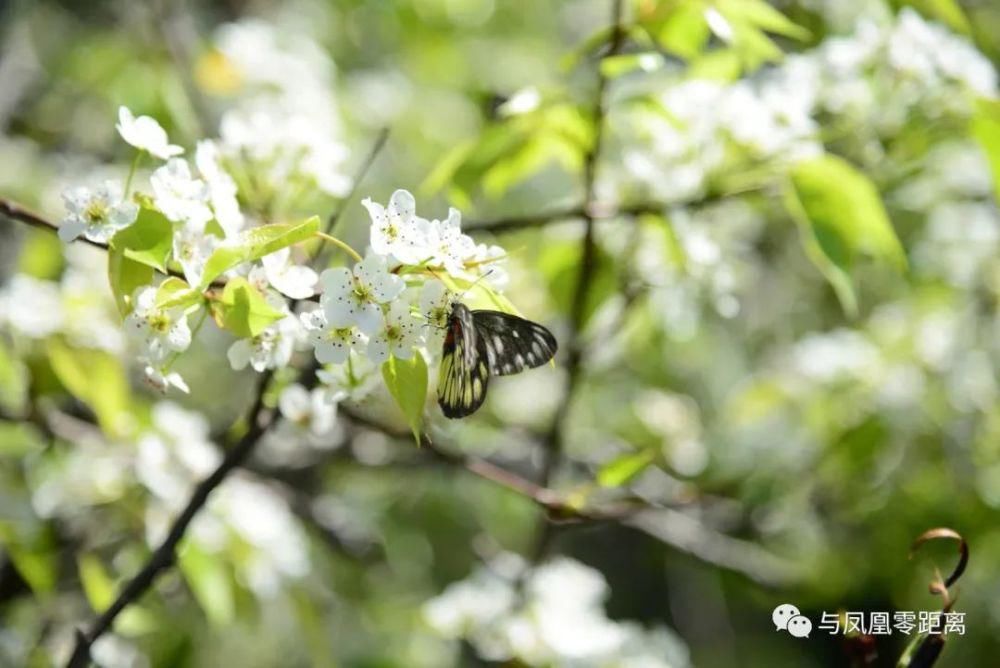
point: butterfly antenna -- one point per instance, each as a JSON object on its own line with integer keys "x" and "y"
{"x": 474, "y": 284}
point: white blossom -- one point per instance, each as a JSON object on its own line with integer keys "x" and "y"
{"x": 331, "y": 344}
{"x": 448, "y": 247}
{"x": 396, "y": 230}
{"x": 354, "y": 297}
{"x": 179, "y": 196}
{"x": 31, "y": 306}
{"x": 164, "y": 331}
{"x": 290, "y": 279}
{"x": 192, "y": 249}
{"x": 314, "y": 410}
{"x": 162, "y": 379}
{"x": 145, "y": 134}
{"x": 221, "y": 188}
{"x": 96, "y": 214}
{"x": 399, "y": 334}
{"x": 271, "y": 349}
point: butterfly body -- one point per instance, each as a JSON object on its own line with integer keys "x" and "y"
{"x": 482, "y": 343}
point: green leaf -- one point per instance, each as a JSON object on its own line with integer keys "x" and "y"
{"x": 616, "y": 66}
{"x": 208, "y": 577}
{"x": 254, "y": 244}
{"x": 13, "y": 379}
{"x": 176, "y": 293}
{"x": 97, "y": 585}
{"x": 243, "y": 310}
{"x": 684, "y": 32}
{"x": 38, "y": 564}
{"x": 41, "y": 255}
{"x": 407, "y": 383}
{"x": 624, "y": 468}
{"x": 125, "y": 275}
{"x": 762, "y": 16}
{"x": 561, "y": 264}
{"x": 985, "y": 128}
{"x": 148, "y": 240}
{"x": 841, "y": 216}
{"x": 719, "y": 65}
{"x": 98, "y": 379}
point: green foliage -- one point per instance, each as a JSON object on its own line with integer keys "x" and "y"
{"x": 684, "y": 28}
{"x": 148, "y": 240}
{"x": 97, "y": 378}
{"x": 210, "y": 581}
{"x": 407, "y": 383}
{"x": 243, "y": 310}
{"x": 985, "y": 128}
{"x": 254, "y": 244}
{"x": 620, "y": 470}
{"x": 124, "y": 276}
{"x": 174, "y": 293}
{"x": 513, "y": 150}
{"x": 842, "y": 216}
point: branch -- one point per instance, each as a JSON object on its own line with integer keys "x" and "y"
{"x": 14, "y": 211}
{"x": 671, "y": 527}
{"x": 258, "y": 421}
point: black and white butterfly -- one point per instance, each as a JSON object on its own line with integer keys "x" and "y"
{"x": 480, "y": 344}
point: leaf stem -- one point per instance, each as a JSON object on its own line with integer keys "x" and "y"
{"x": 341, "y": 245}
{"x": 131, "y": 172}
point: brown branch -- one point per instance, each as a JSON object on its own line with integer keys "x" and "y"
{"x": 14, "y": 211}
{"x": 670, "y": 526}
{"x": 259, "y": 421}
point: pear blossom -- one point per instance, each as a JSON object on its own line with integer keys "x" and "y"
{"x": 353, "y": 297}
{"x": 398, "y": 336}
{"x": 295, "y": 281}
{"x": 162, "y": 379}
{"x": 145, "y": 134}
{"x": 310, "y": 409}
{"x": 356, "y": 379}
{"x": 447, "y": 246}
{"x": 179, "y": 196}
{"x": 164, "y": 331}
{"x": 221, "y": 187}
{"x": 435, "y": 305}
{"x": 32, "y": 307}
{"x": 331, "y": 344}
{"x": 192, "y": 250}
{"x": 396, "y": 230}
{"x": 96, "y": 214}
{"x": 271, "y": 349}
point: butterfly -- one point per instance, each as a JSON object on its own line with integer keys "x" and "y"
{"x": 479, "y": 344}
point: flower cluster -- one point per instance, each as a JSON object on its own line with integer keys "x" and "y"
{"x": 874, "y": 80}
{"x": 389, "y": 303}
{"x": 561, "y": 620}
{"x": 395, "y": 299}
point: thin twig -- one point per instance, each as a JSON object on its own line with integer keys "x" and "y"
{"x": 366, "y": 165}
{"x": 259, "y": 420}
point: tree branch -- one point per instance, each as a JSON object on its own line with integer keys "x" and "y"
{"x": 259, "y": 421}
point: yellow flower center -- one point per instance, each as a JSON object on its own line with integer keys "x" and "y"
{"x": 159, "y": 322}
{"x": 96, "y": 212}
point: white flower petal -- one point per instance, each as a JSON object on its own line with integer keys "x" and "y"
{"x": 239, "y": 354}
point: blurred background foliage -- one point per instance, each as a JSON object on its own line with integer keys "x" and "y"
{"x": 790, "y": 343}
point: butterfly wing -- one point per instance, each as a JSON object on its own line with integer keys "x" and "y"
{"x": 465, "y": 368}
{"x": 513, "y": 344}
